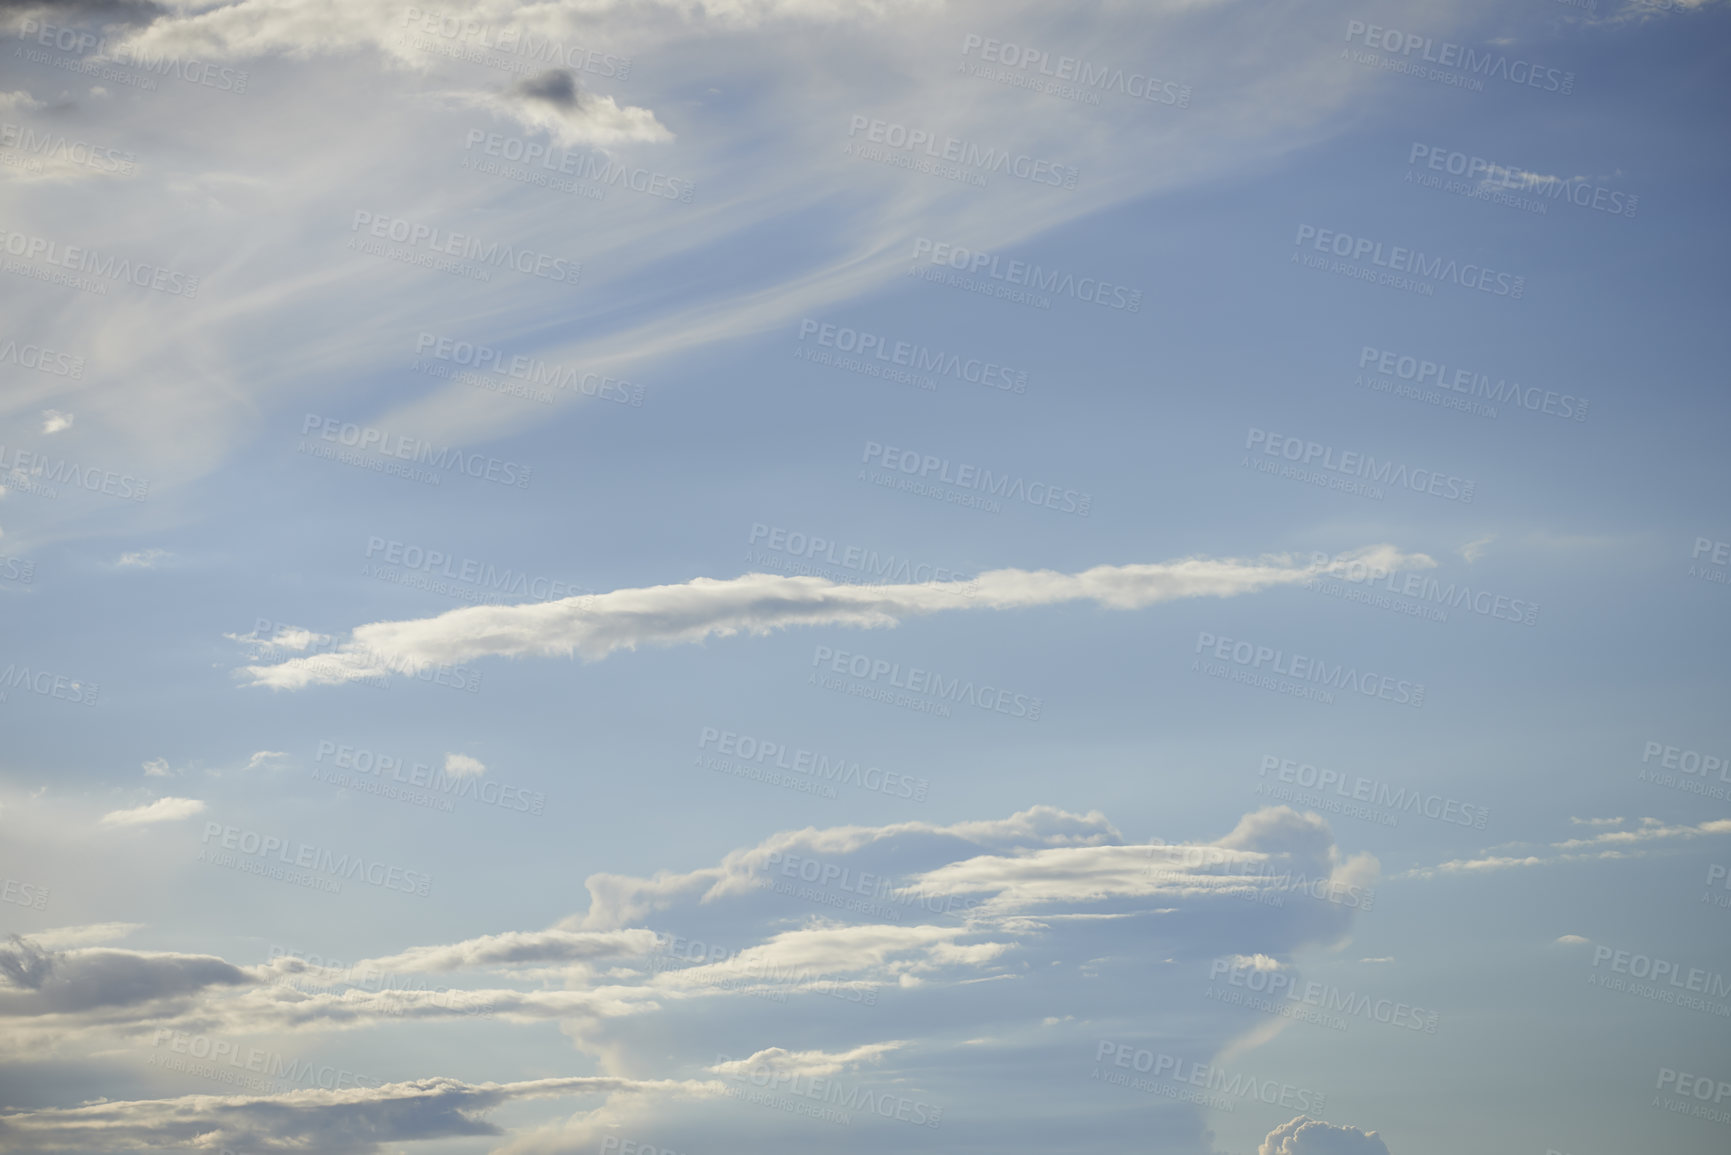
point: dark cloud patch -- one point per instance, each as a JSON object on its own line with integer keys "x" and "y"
{"x": 57, "y": 983}
{"x": 556, "y": 86}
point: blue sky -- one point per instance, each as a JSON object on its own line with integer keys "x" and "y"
{"x": 1285, "y": 801}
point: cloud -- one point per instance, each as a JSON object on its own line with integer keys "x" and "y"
{"x": 351, "y": 1121}
{"x": 463, "y": 766}
{"x": 1609, "y": 844}
{"x": 552, "y": 102}
{"x": 1573, "y": 940}
{"x": 65, "y": 937}
{"x": 593, "y": 627}
{"x": 263, "y": 759}
{"x": 1312, "y": 1137}
{"x": 143, "y": 559}
{"x": 53, "y": 421}
{"x": 1475, "y": 549}
{"x": 157, "y": 768}
{"x": 514, "y": 947}
{"x": 162, "y": 810}
{"x": 43, "y": 982}
{"x": 811, "y": 1064}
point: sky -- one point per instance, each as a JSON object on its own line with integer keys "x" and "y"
{"x": 701, "y": 576}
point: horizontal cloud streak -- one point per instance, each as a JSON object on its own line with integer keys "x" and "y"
{"x": 593, "y": 627}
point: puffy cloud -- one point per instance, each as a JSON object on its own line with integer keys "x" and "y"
{"x": 593, "y": 627}
{"x": 162, "y": 810}
{"x": 554, "y": 103}
{"x": 54, "y": 421}
{"x": 143, "y": 558}
{"x": 463, "y": 766}
{"x": 1311, "y": 1137}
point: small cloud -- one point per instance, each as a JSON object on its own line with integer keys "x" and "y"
{"x": 264, "y": 759}
{"x": 157, "y": 768}
{"x": 53, "y": 421}
{"x": 1383, "y": 959}
{"x": 1473, "y": 550}
{"x": 554, "y": 102}
{"x": 19, "y": 101}
{"x": 162, "y": 810}
{"x": 1574, "y": 940}
{"x": 143, "y": 558}
{"x": 1598, "y": 821}
{"x": 463, "y": 766}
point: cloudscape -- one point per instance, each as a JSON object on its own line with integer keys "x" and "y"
{"x": 685, "y": 577}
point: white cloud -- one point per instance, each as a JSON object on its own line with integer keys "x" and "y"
{"x": 1610, "y": 844}
{"x": 593, "y": 627}
{"x": 1313, "y": 1137}
{"x": 157, "y": 768}
{"x": 67, "y": 937}
{"x": 143, "y": 559}
{"x": 463, "y": 766}
{"x": 162, "y": 810}
{"x": 54, "y": 421}
{"x": 1475, "y": 549}
{"x": 1573, "y": 940}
